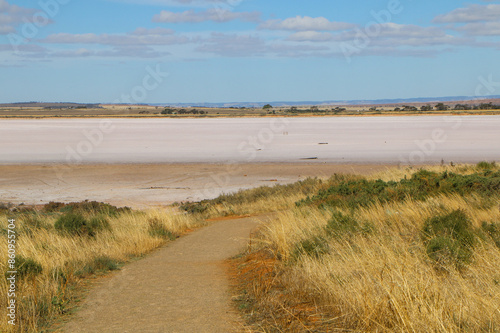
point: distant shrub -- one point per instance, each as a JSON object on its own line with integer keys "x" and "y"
{"x": 158, "y": 229}
{"x": 4, "y": 207}
{"x": 450, "y": 238}
{"x": 486, "y": 165}
{"x": 91, "y": 207}
{"x": 74, "y": 224}
{"x": 354, "y": 193}
{"x": 53, "y": 206}
{"x": 241, "y": 197}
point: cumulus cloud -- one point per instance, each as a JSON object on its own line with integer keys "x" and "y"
{"x": 472, "y": 13}
{"x": 305, "y": 23}
{"x": 212, "y": 14}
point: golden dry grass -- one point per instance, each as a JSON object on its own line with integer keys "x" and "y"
{"x": 381, "y": 280}
{"x": 68, "y": 260}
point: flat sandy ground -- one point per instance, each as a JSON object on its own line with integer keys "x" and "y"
{"x": 147, "y": 185}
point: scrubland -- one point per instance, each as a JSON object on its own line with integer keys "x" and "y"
{"x": 60, "y": 248}
{"x": 407, "y": 250}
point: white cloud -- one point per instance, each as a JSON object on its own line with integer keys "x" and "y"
{"x": 114, "y": 52}
{"x": 12, "y": 15}
{"x": 186, "y": 3}
{"x": 25, "y": 48}
{"x": 234, "y": 45}
{"x": 473, "y": 13}
{"x": 139, "y": 37}
{"x": 212, "y": 14}
{"x": 305, "y": 23}
{"x": 154, "y": 31}
{"x": 481, "y": 29}
{"x": 310, "y": 36}
{"x": 395, "y": 34}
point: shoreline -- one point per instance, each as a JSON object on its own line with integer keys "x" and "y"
{"x": 154, "y": 185}
{"x": 138, "y": 116}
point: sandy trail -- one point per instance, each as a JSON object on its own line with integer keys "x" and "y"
{"x": 180, "y": 288}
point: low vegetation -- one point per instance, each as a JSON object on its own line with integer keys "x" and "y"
{"x": 403, "y": 251}
{"x": 406, "y": 250}
{"x": 62, "y": 246}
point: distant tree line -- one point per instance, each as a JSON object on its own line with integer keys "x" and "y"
{"x": 444, "y": 107}
{"x": 182, "y": 111}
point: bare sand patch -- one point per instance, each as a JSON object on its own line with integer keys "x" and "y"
{"x": 149, "y": 185}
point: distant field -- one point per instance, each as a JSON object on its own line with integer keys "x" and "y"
{"x": 111, "y": 110}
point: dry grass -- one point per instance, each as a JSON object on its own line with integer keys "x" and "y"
{"x": 379, "y": 277}
{"x": 67, "y": 260}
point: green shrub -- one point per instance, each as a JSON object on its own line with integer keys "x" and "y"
{"x": 158, "y": 229}
{"x": 27, "y": 267}
{"x": 493, "y": 230}
{"x": 99, "y": 223}
{"x": 105, "y": 263}
{"x": 100, "y": 264}
{"x": 74, "y": 224}
{"x": 341, "y": 224}
{"x": 313, "y": 247}
{"x": 195, "y": 207}
{"x": 354, "y": 193}
{"x": 486, "y": 165}
{"x": 450, "y": 238}
{"x": 53, "y": 207}
{"x": 89, "y": 207}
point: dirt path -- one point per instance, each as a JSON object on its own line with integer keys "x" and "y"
{"x": 180, "y": 288}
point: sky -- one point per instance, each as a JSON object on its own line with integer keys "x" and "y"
{"x": 196, "y": 51}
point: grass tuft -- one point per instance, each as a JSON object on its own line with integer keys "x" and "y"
{"x": 450, "y": 238}
{"x": 158, "y": 229}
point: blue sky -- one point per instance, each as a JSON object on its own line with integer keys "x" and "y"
{"x": 172, "y": 51}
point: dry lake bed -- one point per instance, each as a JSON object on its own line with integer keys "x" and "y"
{"x": 156, "y": 161}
